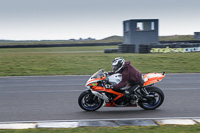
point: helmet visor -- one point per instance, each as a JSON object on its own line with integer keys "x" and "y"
{"x": 114, "y": 68}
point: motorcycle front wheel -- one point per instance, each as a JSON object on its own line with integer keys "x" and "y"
{"x": 153, "y": 102}
{"x": 89, "y": 102}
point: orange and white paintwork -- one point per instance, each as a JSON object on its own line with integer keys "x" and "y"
{"x": 151, "y": 78}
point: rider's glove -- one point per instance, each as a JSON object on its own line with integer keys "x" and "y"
{"x": 108, "y": 73}
{"x": 105, "y": 73}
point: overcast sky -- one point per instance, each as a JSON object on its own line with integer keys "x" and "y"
{"x": 66, "y": 19}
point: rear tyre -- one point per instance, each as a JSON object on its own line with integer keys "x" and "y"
{"x": 89, "y": 102}
{"x": 153, "y": 102}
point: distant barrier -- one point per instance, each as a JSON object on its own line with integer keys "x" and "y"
{"x": 60, "y": 45}
{"x": 162, "y": 47}
{"x": 157, "y": 48}
{"x": 126, "y": 48}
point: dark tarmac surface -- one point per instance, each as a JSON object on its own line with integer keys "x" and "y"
{"x": 39, "y": 98}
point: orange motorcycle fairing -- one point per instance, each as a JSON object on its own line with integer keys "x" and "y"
{"x": 151, "y": 78}
{"x": 99, "y": 88}
{"x": 110, "y": 104}
{"x": 91, "y": 81}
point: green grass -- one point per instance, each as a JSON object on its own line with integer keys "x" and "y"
{"x": 177, "y": 38}
{"x": 54, "y": 61}
{"x": 124, "y": 129}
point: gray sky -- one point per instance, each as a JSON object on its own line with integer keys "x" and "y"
{"x": 65, "y": 19}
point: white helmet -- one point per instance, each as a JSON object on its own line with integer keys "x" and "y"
{"x": 118, "y": 64}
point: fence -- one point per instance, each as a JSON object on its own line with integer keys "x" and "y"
{"x": 59, "y": 45}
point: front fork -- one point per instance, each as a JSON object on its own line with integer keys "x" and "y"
{"x": 99, "y": 95}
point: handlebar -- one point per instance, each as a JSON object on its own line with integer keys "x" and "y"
{"x": 105, "y": 74}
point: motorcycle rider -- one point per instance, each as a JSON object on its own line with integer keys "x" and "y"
{"x": 129, "y": 75}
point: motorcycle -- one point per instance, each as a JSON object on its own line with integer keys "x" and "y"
{"x": 99, "y": 92}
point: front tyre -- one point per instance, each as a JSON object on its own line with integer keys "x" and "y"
{"x": 89, "y": 102}
{"x": 153, "y": 102}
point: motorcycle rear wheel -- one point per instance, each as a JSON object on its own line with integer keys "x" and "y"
{"x": 154, "y": 102}
{"x": 89, "y": 102}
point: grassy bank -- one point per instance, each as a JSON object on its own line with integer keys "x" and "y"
{"x": 129, "y": 129}
{"x": 56, "y": 61}
{"x": 105, "y": 40}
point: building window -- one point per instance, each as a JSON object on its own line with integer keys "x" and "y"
{"x": 145, "y": 26}
{"x": 139, "y": 26}
{"x": 152, "y": 26}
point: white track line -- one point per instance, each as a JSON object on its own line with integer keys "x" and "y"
{"x": 43, "y": 121}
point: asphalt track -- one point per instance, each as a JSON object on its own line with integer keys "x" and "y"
{"x": 39, "y": 98}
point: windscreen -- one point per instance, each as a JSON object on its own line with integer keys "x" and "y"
{"x": 98, "y": 74}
